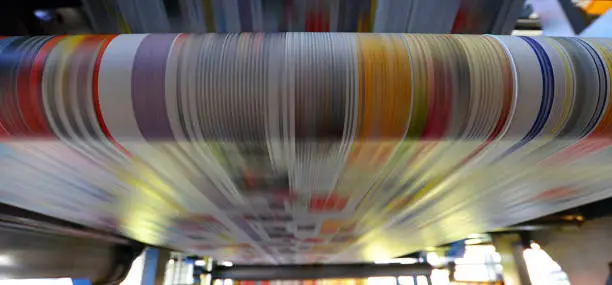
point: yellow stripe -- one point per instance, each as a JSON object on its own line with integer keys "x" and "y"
{"x": 568, "y": 101}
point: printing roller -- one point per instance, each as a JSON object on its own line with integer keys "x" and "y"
{"x": 300, "y": 147}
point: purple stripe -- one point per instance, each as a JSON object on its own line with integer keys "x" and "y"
{"x": 148, "y": 85}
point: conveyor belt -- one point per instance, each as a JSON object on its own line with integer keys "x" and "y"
{"x": 303, "y": 148}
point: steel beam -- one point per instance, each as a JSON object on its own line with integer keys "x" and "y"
{"x": 296, "y": 272}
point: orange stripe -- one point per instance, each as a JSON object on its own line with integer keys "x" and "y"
{"x": 330, "y": 227}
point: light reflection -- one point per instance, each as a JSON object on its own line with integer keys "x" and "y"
{"x": 473, "y": 241}
{"x": 542, "y": 269}
{"x": 406, "y": 280}
{"x": 403, "y": 260}
{"x": 6, "y": 260}
{"x": 134, "y": 276}
{"x": 142, "y": 218}
{"x": 377, "y": 252}
{"x": 55, "y": 281}
{"x": 206, "y": 280}
{"x": 440, "y": 277}
{"x": 386, "y": 280}
{"x": 434, "y": 259}
{"x": 480, "y": 263}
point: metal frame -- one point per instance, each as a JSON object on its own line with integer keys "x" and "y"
{"x": 297, "y": 272}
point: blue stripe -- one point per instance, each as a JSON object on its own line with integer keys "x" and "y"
{"x": 151, "y": 256}
{"x": 220, "y": 16}
{"x": 548, "y": 94}
{"x": 4, "y": 43}
{"x": 80, "y": 282}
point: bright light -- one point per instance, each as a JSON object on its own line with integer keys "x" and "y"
{"x": 406, "y": 280}
{"x": 56, "y": 281}
{"x": 171, "y": 261}
{"x": 6, "y": 260}
{"x": 43, "y": 15}
{"x": 477, "y": 264}
{"x": 387, "y": 280}
{"x": 496, "y": 257}
{"x": 531, "y": 33}
{"x": 433, "y": 259}
{"x": 542, "y": 269}
{"x": 476, "y": 236}
{"x": 534, "y": 245}
{"x": 404, "y": 260}
{"x": 200, "y": 262}
{"x": 207, "y": 278}
{"x": 473, "y": 241}
{"x": 475, "y": 273}
{"x": 439, "y": 276}
{"x": 228, "y": 282}
{"x": 134, "y": 276}
{"x": 227, "y": 263}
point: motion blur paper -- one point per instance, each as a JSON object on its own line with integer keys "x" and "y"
{"x": 303, "y": 147}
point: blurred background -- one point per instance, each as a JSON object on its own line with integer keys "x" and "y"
{"x": 570, "y": 246}
{"x": 537, "y": 17}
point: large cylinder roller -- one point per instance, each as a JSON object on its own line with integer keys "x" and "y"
{"x": 303, "y": 148}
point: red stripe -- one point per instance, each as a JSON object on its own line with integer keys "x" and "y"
{"x": 439, "y": 104}
{"x": 31, "y": 103}
{"x": 501, "y": 122}
{"x": 505, "y": 112}
{"x": 96, "y": 96}
{"x": 310, "y": 22}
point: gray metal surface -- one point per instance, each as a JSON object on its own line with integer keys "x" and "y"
{"x": 34, "y": 246}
